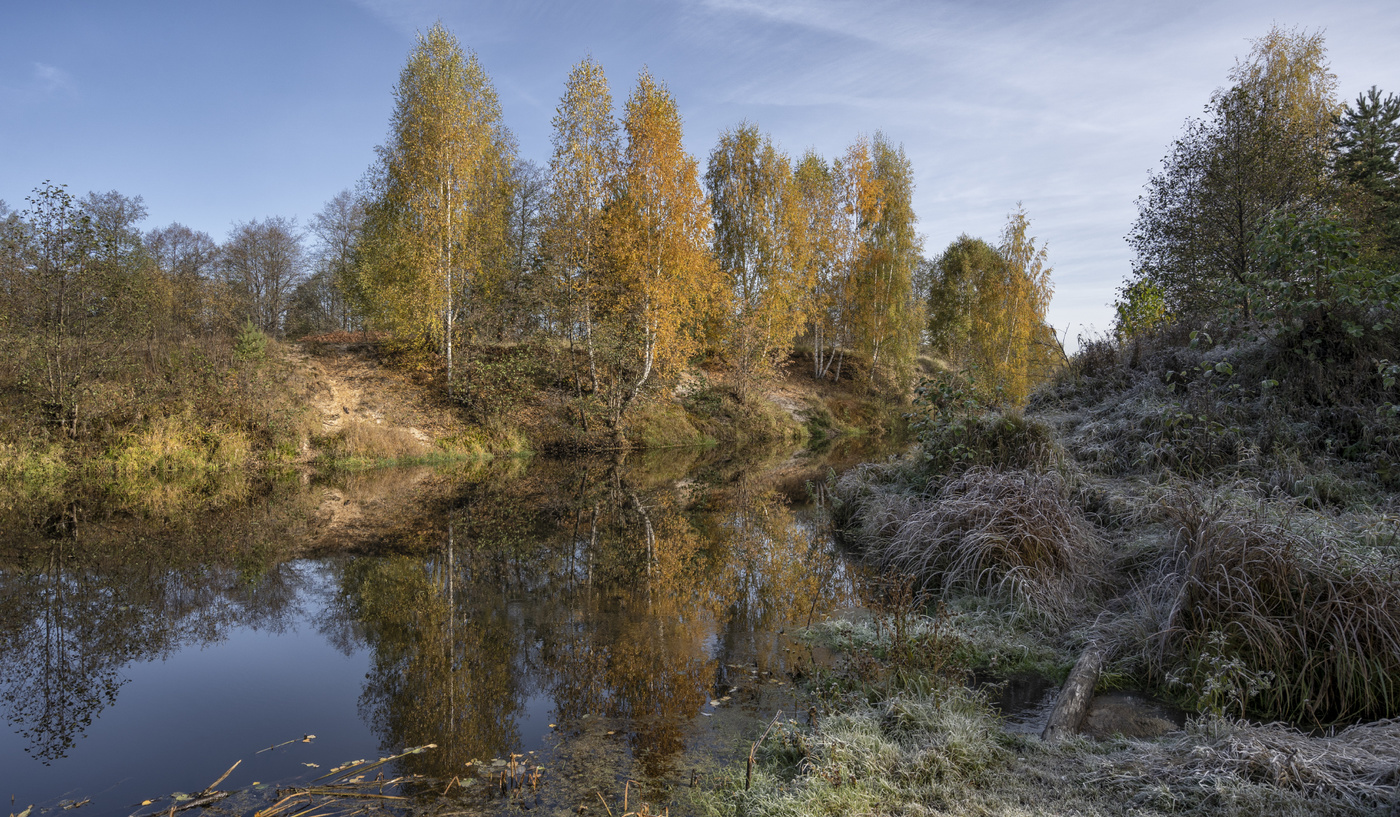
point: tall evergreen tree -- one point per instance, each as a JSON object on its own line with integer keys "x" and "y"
{"x": 1367, "y": 160}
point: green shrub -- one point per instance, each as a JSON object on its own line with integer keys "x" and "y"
{"x": 957, "y": 429}
{"x": 495, "y": 383}
{"x": 251, "y": 344}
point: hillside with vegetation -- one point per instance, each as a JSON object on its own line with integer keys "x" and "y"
{"x": 1203, "y": 506}
{"x": 623, "y": 295}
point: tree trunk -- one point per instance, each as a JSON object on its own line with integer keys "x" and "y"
{"x": 1075, "y": 696}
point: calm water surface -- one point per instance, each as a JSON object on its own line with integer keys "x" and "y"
{"x": 609, "y": 621}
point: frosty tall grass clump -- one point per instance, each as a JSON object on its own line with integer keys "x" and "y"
{"x": 1011, "y": 533}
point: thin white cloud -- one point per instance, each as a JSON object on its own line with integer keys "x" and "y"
{"x": 51, "y": 79}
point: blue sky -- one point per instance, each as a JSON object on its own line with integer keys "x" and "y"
{"x": 219, "y": 112}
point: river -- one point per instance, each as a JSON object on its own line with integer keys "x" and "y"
{"x": 616, "y": 626}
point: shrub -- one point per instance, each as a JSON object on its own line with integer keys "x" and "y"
{"x": 1322, "y": 620}
{"x": 251, "y": 344}
{"x": 1013, "y": 533}
{"x": 496, "y": 382}
{"x": 957, "y": 429}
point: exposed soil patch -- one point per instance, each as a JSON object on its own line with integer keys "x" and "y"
{"x": 349, "y": 384}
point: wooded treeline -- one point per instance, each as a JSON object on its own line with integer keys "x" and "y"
{"x": 104, "y": 328}
{"x": 625, "y": 259}
{"x": 622, "y": 261}
{"x": 1279, "y": 207}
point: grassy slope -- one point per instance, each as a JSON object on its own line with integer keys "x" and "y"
{"x": 1222, "y": 519}
{"x": 344, "y": 401}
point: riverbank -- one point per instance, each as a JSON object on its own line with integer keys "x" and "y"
{"x": 579, "y": 609}
{"x": 1217, "y": 521}
{"x": 349, "y": 401}
{"x": 895, "y": 728}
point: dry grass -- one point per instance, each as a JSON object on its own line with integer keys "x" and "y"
{"x": 1011, "y": 533}
{"x": 1358, "y": 765}
{"x": 1323, "y": 618}
{"x": 180, "y": 443}
{"x": 360, "y": 440}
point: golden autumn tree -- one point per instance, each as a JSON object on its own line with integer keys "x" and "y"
{"x": 987, "y": 308}
{"x": 840, "y": 206}
{"x": 661, "y": 275}
{"x": 759, "y": 246}
{"x": 818, "y": 212}
{"x": 885, "y": 316}
{"x": 859, "y": 197}
{"x": 857, "y": 224}
{"x": 582, "y": 172}
{"x": 442, "y": 186}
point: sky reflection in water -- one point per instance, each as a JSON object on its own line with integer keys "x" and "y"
{"x": 614, "y": 601}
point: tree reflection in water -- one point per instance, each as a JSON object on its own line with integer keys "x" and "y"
{"x": 83, "y": 595}
{"x": 590, "y": 593}
{"x": 608, "y": 589}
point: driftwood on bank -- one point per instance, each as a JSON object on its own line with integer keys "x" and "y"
{"x": 1075, "y": 695}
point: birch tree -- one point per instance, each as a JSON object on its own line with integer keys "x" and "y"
{"x": 444, "y": 181}
{"x": 1025, "y": 352}
{"x": 987, "y": 308}
{"x": 852, "y": 210}
{"x": 662, "y": 275}
{"x": 818, "y": 212}
{"x": 1263, "y": 147}
{"x": 886, "y": 317}
{"x": 582, "y": 172}
{"x": 759, "y": 246}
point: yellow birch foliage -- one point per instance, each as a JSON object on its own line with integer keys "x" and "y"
{"x": 758, "y": 244}
{"x": 1287, "y": 75}
{"x": 988, "y": 308}
{"x": 663, "y": 276}
{"x": 582, "y": 172}
{"x": 840, "y": 205}
{"x": 859, "y": 198}
{"x": 1026, "y": 354}
{"x": 819, "y": 215}
{"x": 442, "y": 181}
{"x": 885, "y": 315}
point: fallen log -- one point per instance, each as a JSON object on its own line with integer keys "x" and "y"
{"x": 1075, "y": 695}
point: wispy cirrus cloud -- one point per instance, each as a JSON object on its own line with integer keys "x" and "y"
{"x": 50, "y": 79}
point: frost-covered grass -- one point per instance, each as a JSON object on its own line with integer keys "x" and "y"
{"x": 887, "y": 740}
{"x": 1222, "y": 522}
